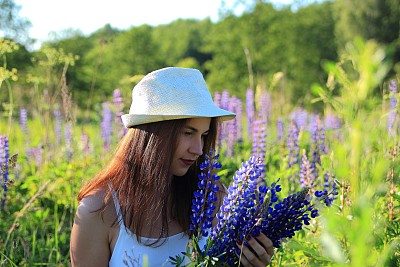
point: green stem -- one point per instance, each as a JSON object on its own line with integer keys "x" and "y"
{"x": 10, "y": 111}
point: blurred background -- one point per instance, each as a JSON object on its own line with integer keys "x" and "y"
{"x": 314, "y": 85}
{"x": 236, "y": 44}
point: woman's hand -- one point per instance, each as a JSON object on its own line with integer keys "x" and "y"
{"x": 258, "y": 253}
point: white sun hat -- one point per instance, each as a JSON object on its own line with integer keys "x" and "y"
{"x": 172, "y": 93}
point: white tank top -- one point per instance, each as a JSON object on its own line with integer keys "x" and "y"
{"x": 128, "y": 252}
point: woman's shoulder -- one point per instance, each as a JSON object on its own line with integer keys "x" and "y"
{"x": 90, "y": 236}
{"x": 96, "y": 207}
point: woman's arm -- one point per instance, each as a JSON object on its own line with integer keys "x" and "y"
{"x": 90, "y": 235}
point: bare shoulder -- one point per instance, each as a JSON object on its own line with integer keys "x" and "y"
{"x": 90, "y": 232}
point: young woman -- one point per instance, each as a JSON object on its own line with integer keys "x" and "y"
{"x": 138, "y": 208}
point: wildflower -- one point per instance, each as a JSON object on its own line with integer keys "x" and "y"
{"x": 332, "y": 122}
{"x": 259, "y": 139}
{"x": 265, "y": 106}
{"x": 223, "y": 101}
{"x": 238, "y": 118}
{"x": 393, "y": 105}
{"x": 299, "y": 117}
{"x": 35, "y": 153}
{"x": 250, "y": 208}
{"x": 307, "y": 174}
{"x": 119, "y": 106}
{"x": 23, "y": 118}
{"x": 4, "y": 164}
{"x": 217, "y": 99}
{"x": 329, "y": 192}
{"x": 250, "y": 110}
{"x": 231, "y": 127}
{"x": 235, "y": 216}
{"x": 288, "y": 216}
{"x": 280, "y": 130}
{"x": 203, "y": 204}
{"x": 58, "y": 126}
{"x": 292, "y": 144}
{"x": 68, "y": 140}
{"x": 106, "y": 125}
{"x": 318, "y": 143}
{"x": 85, "y": 143}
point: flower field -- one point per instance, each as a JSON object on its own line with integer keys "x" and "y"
{"x": 351, "y": 147}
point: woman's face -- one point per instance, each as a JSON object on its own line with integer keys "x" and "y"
{"x": 190, "y": 145}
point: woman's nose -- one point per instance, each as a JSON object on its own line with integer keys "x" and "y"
{"x": 197, "y": 146}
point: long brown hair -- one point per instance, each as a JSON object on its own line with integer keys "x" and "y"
{"x": 139, "y": 174}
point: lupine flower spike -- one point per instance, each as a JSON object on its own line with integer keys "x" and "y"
{"x": 203, "y": 204}
{"x": 250, "y": 208}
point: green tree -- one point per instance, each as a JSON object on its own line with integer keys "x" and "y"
{"x": 182, "y": 39}
{"x": 228, "y": 67}
{"x": 369, "y": 19}
{"x": 11, "y": 24}
{"x": 313, "y": 45}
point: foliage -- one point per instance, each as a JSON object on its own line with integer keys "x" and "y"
{"x": 11, "y": 24}
{"x": 360, "y": 229}
{"x": 372, "y": 19}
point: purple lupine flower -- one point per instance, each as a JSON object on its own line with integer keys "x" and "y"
{"x": 280, "y": 130}
{"x": 250, "y": 209}
{"x": 330, "y": 192}
{"x": 231, "y": 128}
{"x": 318, "y": 146}
{"x": 217, "y": 101}
{"x": 225, "y": 99}
{"x": 58, "y": 125}
{"x": 238, "y": 118}
{"x": 69, "y": 150}
{"x": 203, "y": 203}
{"x": 236, "y": 210}
{"x": 288, "y": 216}
{"x": 332, "y": 122}
{"x": 250, "y": 110}
{"x": 259, "y": 139}
{"x": 23, "y": 118}
{"x": 306, "y": 174}
{"x": 224, "y": 104}
{"x": 106, "y": 125}
{"x": 393, "y": 108}
{"x": 85, "y": 143}
{"x": 292, "y": 144}
{"x": 35, "y": 154}
{"x": 299, "y": 116}
{"x": 4, "y": 168}
{"x": 119, "y": 106}
{"x": 265, "y": 107}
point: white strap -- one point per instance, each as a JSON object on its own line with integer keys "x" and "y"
{"x": 117, "y": 207}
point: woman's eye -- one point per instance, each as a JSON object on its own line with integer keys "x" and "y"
{"x": 188, "y": 133}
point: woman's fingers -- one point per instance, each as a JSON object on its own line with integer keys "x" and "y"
{"x": 258, "y": 252}
{"x": 266, "y": 243}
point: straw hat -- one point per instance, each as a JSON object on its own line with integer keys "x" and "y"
{"x": 172, "y": 93}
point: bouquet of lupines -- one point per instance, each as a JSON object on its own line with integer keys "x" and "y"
{"x": 250, "y": 207}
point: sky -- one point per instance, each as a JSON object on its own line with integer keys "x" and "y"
{"x": 53, "y": 16}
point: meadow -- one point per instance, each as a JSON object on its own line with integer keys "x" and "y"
{"x": 49, "y": 148}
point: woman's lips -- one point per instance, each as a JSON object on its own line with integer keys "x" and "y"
{"x": 187, "y": 162}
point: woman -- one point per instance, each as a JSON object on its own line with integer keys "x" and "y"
{"x": 137, "y": 210}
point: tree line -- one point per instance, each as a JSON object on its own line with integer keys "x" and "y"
{"x": 271, "y": 47}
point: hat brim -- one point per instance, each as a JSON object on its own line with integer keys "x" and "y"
{"x": 130, "y": 120}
